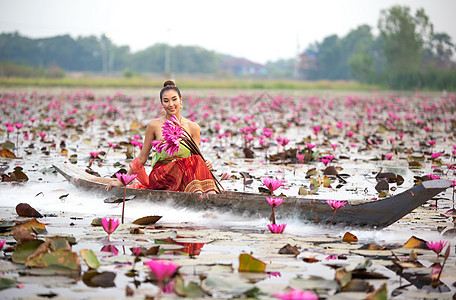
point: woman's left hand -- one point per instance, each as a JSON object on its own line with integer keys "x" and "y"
{"x": 209, "y": 165}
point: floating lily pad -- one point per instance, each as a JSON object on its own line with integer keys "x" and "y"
{"x": 248, "y": 263}
{"x": 7, "y": 282}
{"x": 90, "y": 258}
{"x": 93, "y": 278}
{"x": 191, "y": 290}
{"x": 24, "y": 250}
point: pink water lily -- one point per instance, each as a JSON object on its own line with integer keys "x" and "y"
{"x": 277, "y": 228}
{"x": 300, "y": 158}
{"x": 437, "y": 247}
{"x": 335, "y": 204}
{"x": 2, "y": 243}
{"x": 296, "y": 295}
{"x": 432, "y": 176}
{"x": 388, "y": 156}
{"x": 125, "y": 178}
{"x": 436, "y": 155}
{"x": 274, "y": 201}
{"x": 162, "y": 270}
{"x": 272, "y": 184}
{"x": 432, "y": 143}
{"x": 110, "y": 225}
{"x": 310, "y": 146}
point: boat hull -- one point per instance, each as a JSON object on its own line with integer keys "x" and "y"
{"x": 376, "y": 213}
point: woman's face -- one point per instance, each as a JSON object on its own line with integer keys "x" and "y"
{"x": 171, "y": 102}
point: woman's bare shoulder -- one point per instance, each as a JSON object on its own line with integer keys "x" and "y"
{"x": 155, "y": 123}
{"x": 191, "y": 125}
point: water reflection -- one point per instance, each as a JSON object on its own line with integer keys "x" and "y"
{"x": 190, "y": 248}
{"x": 111, "y": 249}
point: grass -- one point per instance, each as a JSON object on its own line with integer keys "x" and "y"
{"x": 184, "y": 82}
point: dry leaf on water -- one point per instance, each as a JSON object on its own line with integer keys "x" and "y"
{"x": 349, "y": 238}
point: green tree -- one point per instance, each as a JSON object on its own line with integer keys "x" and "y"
{"x": 405, "y": 36}
{"x": 362, "y": 65}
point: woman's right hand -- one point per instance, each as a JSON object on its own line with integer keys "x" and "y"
{"x": 113, "y": 183}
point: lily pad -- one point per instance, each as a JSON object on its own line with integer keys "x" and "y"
{"x": 90, "y": 258}
{"x": 93, "y": 278}
{"x": 191, "y": 290}
{"x": 7, "y": 282}
{"x": 248, "y": 263}
{"x": 24, "y": 250}
{"x": 6, "y": 226}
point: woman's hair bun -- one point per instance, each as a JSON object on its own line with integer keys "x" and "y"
{"x": 168, "y": 82}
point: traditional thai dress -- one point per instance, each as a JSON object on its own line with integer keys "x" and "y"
{"x": 182, "y": 172}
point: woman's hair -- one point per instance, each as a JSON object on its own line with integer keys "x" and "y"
{"x": 169, "y": 85}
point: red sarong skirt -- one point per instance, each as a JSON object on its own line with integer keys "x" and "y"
{"x": 188, "y": 174}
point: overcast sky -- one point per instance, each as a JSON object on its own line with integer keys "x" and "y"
{"x": 256, "y": 30}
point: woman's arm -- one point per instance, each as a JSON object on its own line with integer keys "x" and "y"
{"x": 147, "y": 146}
{"x": 143, "y": 154}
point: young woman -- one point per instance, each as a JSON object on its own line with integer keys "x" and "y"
{"x": 182, "y": 172}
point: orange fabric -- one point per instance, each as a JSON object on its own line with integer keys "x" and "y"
{"x": 183, "y": 174}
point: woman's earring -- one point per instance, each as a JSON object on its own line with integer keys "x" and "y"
{"x": 163, "y": 111}
{"x": 181, "y": 107}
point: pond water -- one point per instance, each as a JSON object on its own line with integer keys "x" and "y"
{"x": 364, "y": 127}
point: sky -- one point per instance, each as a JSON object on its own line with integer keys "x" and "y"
{"x": 260, "y": 31}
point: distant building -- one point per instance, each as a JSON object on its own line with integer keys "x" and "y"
{"x": 241, "y": 66}
{"x": 307, "y": 63}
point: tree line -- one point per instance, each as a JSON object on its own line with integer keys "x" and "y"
{"x": 99, "y": 54}
{"x": 407, "y": 54}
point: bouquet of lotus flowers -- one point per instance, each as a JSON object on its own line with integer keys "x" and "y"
{"x": 174, "y": 135}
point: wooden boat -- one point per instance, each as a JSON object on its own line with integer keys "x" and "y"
{"x": 376, "y": 213}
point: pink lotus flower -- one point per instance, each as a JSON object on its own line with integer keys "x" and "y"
{"x": 388, "y": 156}
{"x": 125, "y": 178}
{"x": 336, "y": 204}
{"x": 110, "y": 225}
{"x": 94, "y": 154}
{"x": 42, "y": 135}
{"x": 437, "y": 247}
{"x": 435, "y": 155}
{"x": 272, "y": 184}
{"x": 296, "y": 295}
{"x": 316, "y": 129}
{"x": 161, "y": 269}
{"x": 432, "y": 176}
{"x": 111, "y": 145}
{"x": 18, "y": 125}
{"x": 282, "y": 141}
{"x": 432, "y": 143}
{"x": 350, "y": 133}
{"x": 267, "y": 132}
{"x": 274, "y": 201}
{"x": 310, "y": 146}
{"x": 10, "y": 128}
{"x": 334, "y": 146}
{"x": 325, "y": 161}
{"x": 300, "y": 158}
{"x": 277, "y": 228}
{"x": 2, "y": 243}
